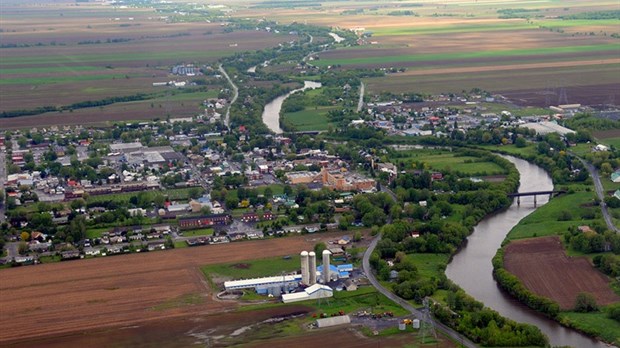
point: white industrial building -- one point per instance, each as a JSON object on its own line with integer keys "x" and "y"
{"x": 286, "y": 281}
{"x": 333, "y": 321}
{"x": 314, "y": 292}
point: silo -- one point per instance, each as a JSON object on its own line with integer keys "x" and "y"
{"x": 312, "y": 267}
{"x": 326, "y": 266}
{"x": 416, "y": 323}
{"x": 305, "y": 275}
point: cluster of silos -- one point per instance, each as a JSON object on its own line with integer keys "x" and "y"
{"x": 308, "y": 267}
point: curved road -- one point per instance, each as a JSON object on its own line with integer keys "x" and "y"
{"x": 406, "y": 305}
{"x": 600, "y": 193}
{"x": 234, "y": 99}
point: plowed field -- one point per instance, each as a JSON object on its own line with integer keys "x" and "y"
{"x": 78, "y": 296}
{"x": 544, "y": 268}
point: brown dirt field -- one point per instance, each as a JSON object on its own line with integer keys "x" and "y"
{"x": 543, "y": 267}
{"x": 76, "y": 296}
{"x": 612, "y": 133}
{"x": 586, "y": 95}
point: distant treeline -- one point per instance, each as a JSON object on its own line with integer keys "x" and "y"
{"x": 516, "y": 13}
{"x": 611, "y": 14}
{"x": 92, "y": 42}
{"x": 403, "y": 13}
{"x": 286, "y": 4}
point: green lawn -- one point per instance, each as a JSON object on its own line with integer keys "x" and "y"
{"x": 429, "y": 265}
{"x": 611, "y": 142}
{"x": 199, "y": 232}
{"x": 173, "y": 194}
{"x": 93, "y": 233}
{"x": 597, "y": 322}
{"x": 544, "y": 221}
{"x": 310, "y": 119}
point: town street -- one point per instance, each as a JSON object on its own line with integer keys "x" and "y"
{"x": 235, "y": 96}
{"x": 600, "y": 194}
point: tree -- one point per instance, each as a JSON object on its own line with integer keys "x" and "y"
{"x": 319, "y": 247}
{"x": 357, "y": 236}
{"x": 22, "y": 249}
{"x": 585, "y": 302}
{"x": 25, "y": 236}
{"x": 78, "y": 203}
{"x": 520, "y": 142}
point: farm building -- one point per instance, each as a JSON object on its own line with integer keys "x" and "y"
{"x": 314, "y": 292}
{"x": 333, "y": 321}
{"x": 256, "y": 283}
{"x": 343, "y": 271}
{"x": 204, "y": 221}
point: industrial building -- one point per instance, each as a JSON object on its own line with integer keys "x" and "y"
{"x": 333, "y": 321}
{"x": 314, "y": 292}
{"x": 286, "y": 281}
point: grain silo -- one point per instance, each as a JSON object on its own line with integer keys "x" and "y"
{"x": 312, "y": 267}
{"x": 305, "y": 275}
{"x": 326, "y": 265}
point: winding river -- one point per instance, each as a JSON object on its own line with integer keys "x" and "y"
{"x": 271, "y": 113}
{"x": 471, "y": 267}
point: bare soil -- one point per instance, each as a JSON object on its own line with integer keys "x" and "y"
{"x": 78, "y": 296}
{"x": 545, "y": 269}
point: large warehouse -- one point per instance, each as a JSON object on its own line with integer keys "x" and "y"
{"x": 314, "y": 292}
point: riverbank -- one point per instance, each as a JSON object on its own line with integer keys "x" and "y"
{"x": 472, "y": 270}
{"x": 271, "y": 112}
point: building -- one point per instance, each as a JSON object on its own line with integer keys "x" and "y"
{"x": 249, "y": 217}
{"x": 333, "y": 321}
{"x": 204, "y": 221}
{"x": 254, "y": 283}
{"x": 314, "y": 292}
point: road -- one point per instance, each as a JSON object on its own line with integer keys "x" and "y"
{"x": 406, "y": 305}
{"x": 600, "y": 193}
{"x": 235, "y": 96}
{"x": 360, "y": 103}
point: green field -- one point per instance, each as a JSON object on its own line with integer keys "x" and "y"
{"x": 254, "y": 268}
{"x": 594, "y": 322}
{"x": 200, "y": 232}
{"x": 544, "y": 221}
{"x": 615, "y": 141}
{"x": 449, "y": 161}
{"x": 429, "y": 265}
{"x": 387, "y": 59}
{"x": 173, "y": 194}
{"x": 309, "y": 119}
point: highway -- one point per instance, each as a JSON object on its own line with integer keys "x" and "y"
{"x": 406, "y": 305}
{"x": 235, "y": 96}
{"x": 600, "y": 193}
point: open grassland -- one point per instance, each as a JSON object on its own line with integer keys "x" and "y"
{"x": 543, "y": 267}
{"x": 544, "y": 221}
{"x": 254, "y": 268}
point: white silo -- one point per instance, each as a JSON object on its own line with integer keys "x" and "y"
{"x": 312, "y": 267}
{"x": 326, "y": 265}
{"x": 305, "y": 275}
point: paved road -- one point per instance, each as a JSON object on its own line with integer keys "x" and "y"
{"x": 406, "y": 305}
{"x": 234, "y": 99}
{"x": 601, "y": 194}
{"x": 360, "y": 103}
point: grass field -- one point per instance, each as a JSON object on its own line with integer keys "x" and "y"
{"x": 429, "y": 265}
{"x": 544, "y": 221}
{"x": 449, "y": 161}
{"x": 594, "y": 322}
{"x": 309, "y": 119}
{"x": 254, "y": 268}
{"x": 173, "y": 194}
{"x": 200, "y": 232}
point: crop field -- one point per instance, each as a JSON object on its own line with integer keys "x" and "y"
{"x": 60, "y": 54}
{"x": 543, "y": 267}
{"x": 527, "y": 51}
{"x": 122, "y": 290}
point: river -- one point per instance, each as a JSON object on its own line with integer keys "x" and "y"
{"x": 471, "y": 267}
{"x": 271, "y": 113}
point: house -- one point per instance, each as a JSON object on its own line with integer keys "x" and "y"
{"x": 204, "y": 221}
{"x": 349, "y": 285}
{"x": 615, "y": 176}
{"x": 249, "y": 217}
{"x": 267, "y": 215}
